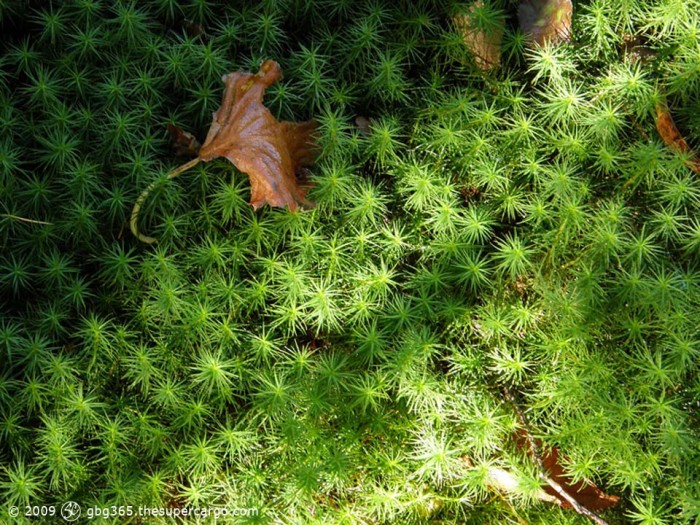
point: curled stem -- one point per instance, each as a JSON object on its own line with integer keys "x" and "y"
{"x": 139, "y": 202}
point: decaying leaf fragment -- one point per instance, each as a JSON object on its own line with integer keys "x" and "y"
{"x": 556, "y": 487}
{"x": 247, "y": 134}
{"x": 634, "y": 49}
{"x": 546, "y": 20}
{"x": 244, "y": 131}
{"x": 484, "y": 43}
{"x": 672, "y": 137}
{"x": 585, "y": 493}
{"x": 184, "y": 143}
{"x": 363, "y": 124}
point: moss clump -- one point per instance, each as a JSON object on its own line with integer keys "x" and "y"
{"x": 342, "y": 364}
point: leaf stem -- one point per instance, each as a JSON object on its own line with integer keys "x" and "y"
{"x": 139, "y": 202}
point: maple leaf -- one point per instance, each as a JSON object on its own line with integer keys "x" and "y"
{"x": 546, "y": 20}
{"x": 268, "y": 151}
{"x": 244, "y": 131}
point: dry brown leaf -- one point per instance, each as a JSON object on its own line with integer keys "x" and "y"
{"x": 672, "y": 137}
{"x": 586, "y": 494}
{"x": 484, "y": 45}
{"x": 268, "y": 151}
{"x": 184, "y": 143}
{"x": 546, "y": 20}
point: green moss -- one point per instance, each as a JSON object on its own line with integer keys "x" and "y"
{"x": 526, "y": 227}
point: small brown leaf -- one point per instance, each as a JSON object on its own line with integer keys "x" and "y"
{"x": 585, "y": 493}
{"x": 483, "y": 43}
{"x": 546, "y": 20}
{"x": 184, "y": 143}
{"x": 672, "y": 137}
{"x": 247, "y": 134}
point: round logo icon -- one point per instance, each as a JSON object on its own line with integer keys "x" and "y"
{"x": 70, "y": 511}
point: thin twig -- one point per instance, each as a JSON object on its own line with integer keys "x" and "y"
{"x": 139, "y": 202}
{"x": 31, "y": 221}
{"x": 543, "y": 472}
